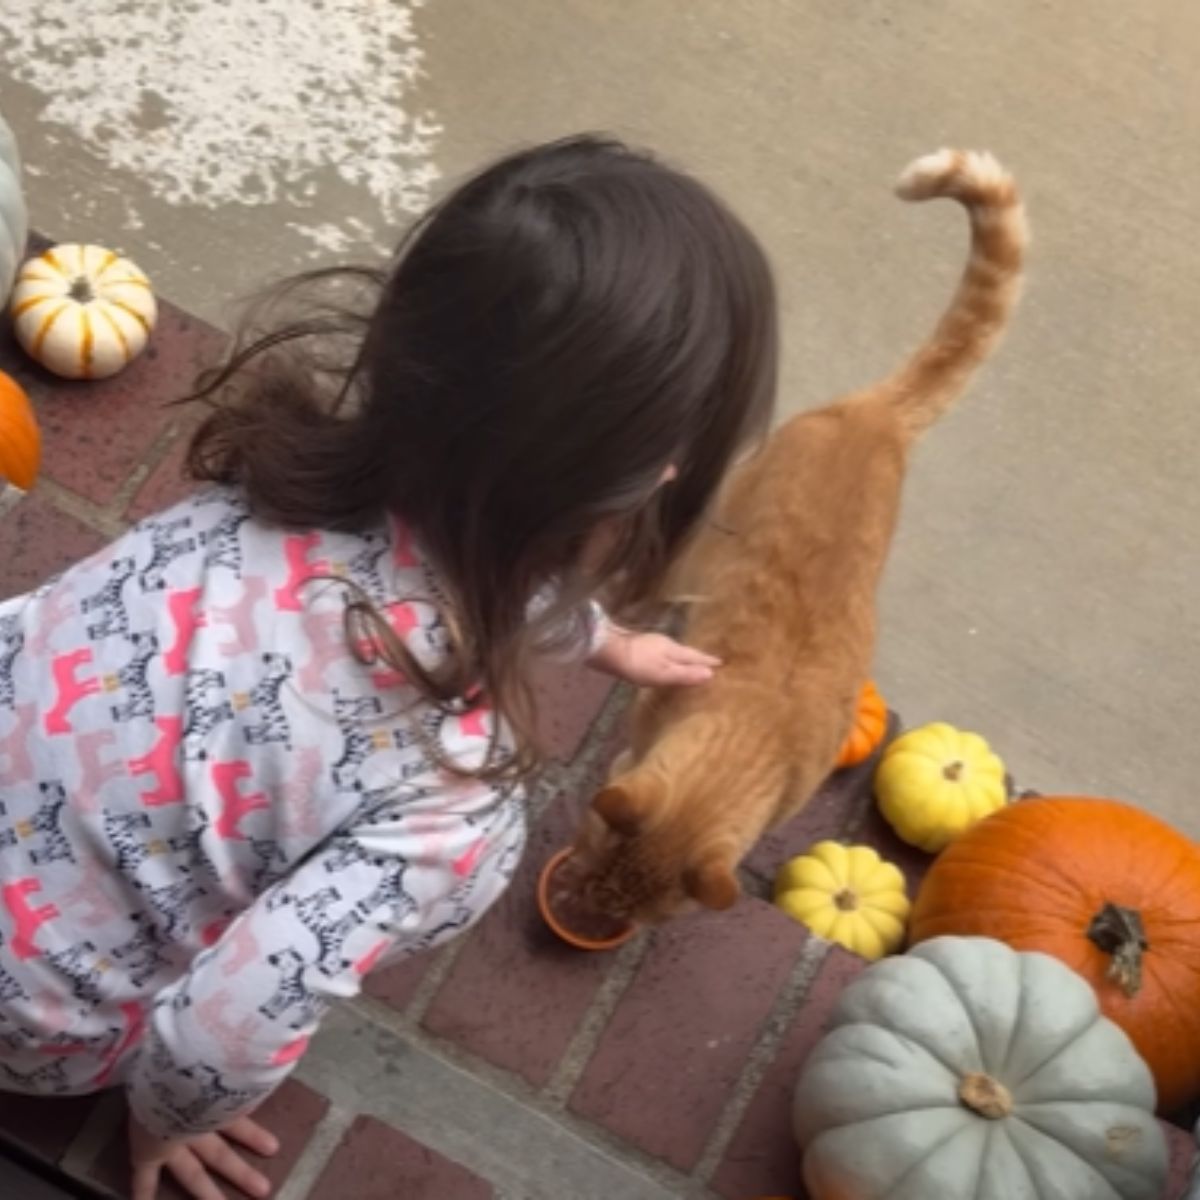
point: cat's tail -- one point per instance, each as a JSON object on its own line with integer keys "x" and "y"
{"x": 936, "y": 375}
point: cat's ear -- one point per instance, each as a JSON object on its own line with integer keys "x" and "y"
{"x": 624, "y": 807}
{"x": 713, "y": 882}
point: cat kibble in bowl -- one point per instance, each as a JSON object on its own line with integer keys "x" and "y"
{"x": 562, "y": 907}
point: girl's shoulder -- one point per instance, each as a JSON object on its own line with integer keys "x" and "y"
{"x": 216, "y": 523}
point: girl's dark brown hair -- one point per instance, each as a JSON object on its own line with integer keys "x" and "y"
{"x": 550, "y": 337}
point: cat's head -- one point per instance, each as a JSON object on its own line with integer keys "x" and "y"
{"x": 644, "y": 859}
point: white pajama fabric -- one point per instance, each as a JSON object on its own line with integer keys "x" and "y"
{"x": 214, "y": 819}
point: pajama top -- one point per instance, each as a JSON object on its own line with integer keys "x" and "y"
{"x": 213, "y": 819}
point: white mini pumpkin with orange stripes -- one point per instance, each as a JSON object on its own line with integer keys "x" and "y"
{"x": 83, "y": 312}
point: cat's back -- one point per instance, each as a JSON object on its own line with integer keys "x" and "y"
{"x": 805, "y": 524}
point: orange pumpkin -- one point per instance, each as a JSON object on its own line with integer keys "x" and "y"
{"x": 1106, "y": 888}
{"x": 20, "y": 438}
{"x": 870, "y": 724}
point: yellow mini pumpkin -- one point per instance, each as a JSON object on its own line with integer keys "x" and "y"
{"x": 935, "y": 782}
{"x": 83, "y": 312}
{"x": 847, "y": 894}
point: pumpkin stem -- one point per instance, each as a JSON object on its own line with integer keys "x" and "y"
{"x": 953, "y": 771}
{"x": 1119, "y": 931}
{"x": 81, "y": 290}
{"x": 845, "y": 900}
{"x": 985, "y": 1096}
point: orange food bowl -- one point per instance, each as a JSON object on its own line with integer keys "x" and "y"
{"x": 559, "y": 921}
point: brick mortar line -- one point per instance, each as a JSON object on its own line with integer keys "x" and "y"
{"x": 149, "y": 462}
{"x": 789, "y": 1002}
{"x": 595, "y": 741}
{"x": 431, "y": 982}
{"x": 516, "y": 1091}
{"x": 409, "y": 1029}
{"x": 756, "y": 883}
{"x": 10, "y": 497}
{"x": 322, "y": 1144}
{"x": 99, "y": 1127}
{"x": 549, "y": 783}
{"x": 95, "y": 516}
{"x": 522, "y": 1093}
{"x": 595, "y": 1020}
{"x": 860, "y": 814}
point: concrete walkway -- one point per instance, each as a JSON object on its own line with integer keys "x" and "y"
{"x": 1042, "y": 587}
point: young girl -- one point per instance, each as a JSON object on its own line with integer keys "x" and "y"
{"x": 276, "y": 737}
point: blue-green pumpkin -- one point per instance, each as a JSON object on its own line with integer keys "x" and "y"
{"x": 14, "y": 217}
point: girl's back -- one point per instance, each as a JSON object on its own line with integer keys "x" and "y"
{"x": 192, "y": 725}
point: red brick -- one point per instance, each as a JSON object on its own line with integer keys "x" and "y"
{"x": 396, "y": 986}
{"x": 166, "y": 485}
{"x": 568, "y": 700}
{"x": 291, "y": 1114}
{"x": 37, "y": 541}
{"x": 375, "y": 1162}
{"x": 95, "y": 433}
{"x": 679, "y": 1038}
{"x": 844, "y": 795}
{"x": 876, "y": 832}
{"x": 763, "y": 1156}
{"x": 537, "y": 989}
{"x": 44, "y": 1127}
{"x": 1183, "y": 1151}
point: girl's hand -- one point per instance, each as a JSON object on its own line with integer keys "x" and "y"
{"x": 197, "y": 1163}
{"x": 653, "y": 660}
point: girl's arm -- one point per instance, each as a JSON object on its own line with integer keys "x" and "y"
{"x": 646, "y": 659}
{"x": 228, "y": 1033}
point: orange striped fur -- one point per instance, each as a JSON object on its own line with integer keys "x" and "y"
{"x": 784, "y": 583}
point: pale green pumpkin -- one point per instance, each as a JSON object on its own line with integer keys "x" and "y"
{"x": 14, "y": 218}
{"x": 965, "y": 1070}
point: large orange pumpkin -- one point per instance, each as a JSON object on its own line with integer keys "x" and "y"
{"x": 20, "y": 440}
{"x": 870, "y": 724}
{"x": 1106, "y": 888}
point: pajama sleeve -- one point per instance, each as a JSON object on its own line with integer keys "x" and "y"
{"x": 581, "y": 634}
{"x": 226, "y": 1034}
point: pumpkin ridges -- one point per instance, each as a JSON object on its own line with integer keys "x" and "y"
{"x": 32, "y": 302}
{"x": 48, "y": 324}
{"x": 868, "y": 729}
{"x": 37, "y": 270}
{"x": 1075, "y": 912}
{"x": 86, "y": 343}
{"x": 971, "y": 868}
{"x": 110, "y": 257}
{"x": 1154, "y": 977}
{"x": 122, "y": 340}
{"x": 48, "y": 256}
{"x": 925, "y": 803}
{"x": 827, "y": 889}
{"x": 131, "y": 281}
{"x": 1025, "y": 845}
{"x": 125, "y": 307}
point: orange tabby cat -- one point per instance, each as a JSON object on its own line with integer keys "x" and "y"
{"x": 786, "y": 578}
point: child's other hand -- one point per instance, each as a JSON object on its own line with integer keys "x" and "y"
{"x": 199, "y": 1163}
{"x": 653, "y": 660}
